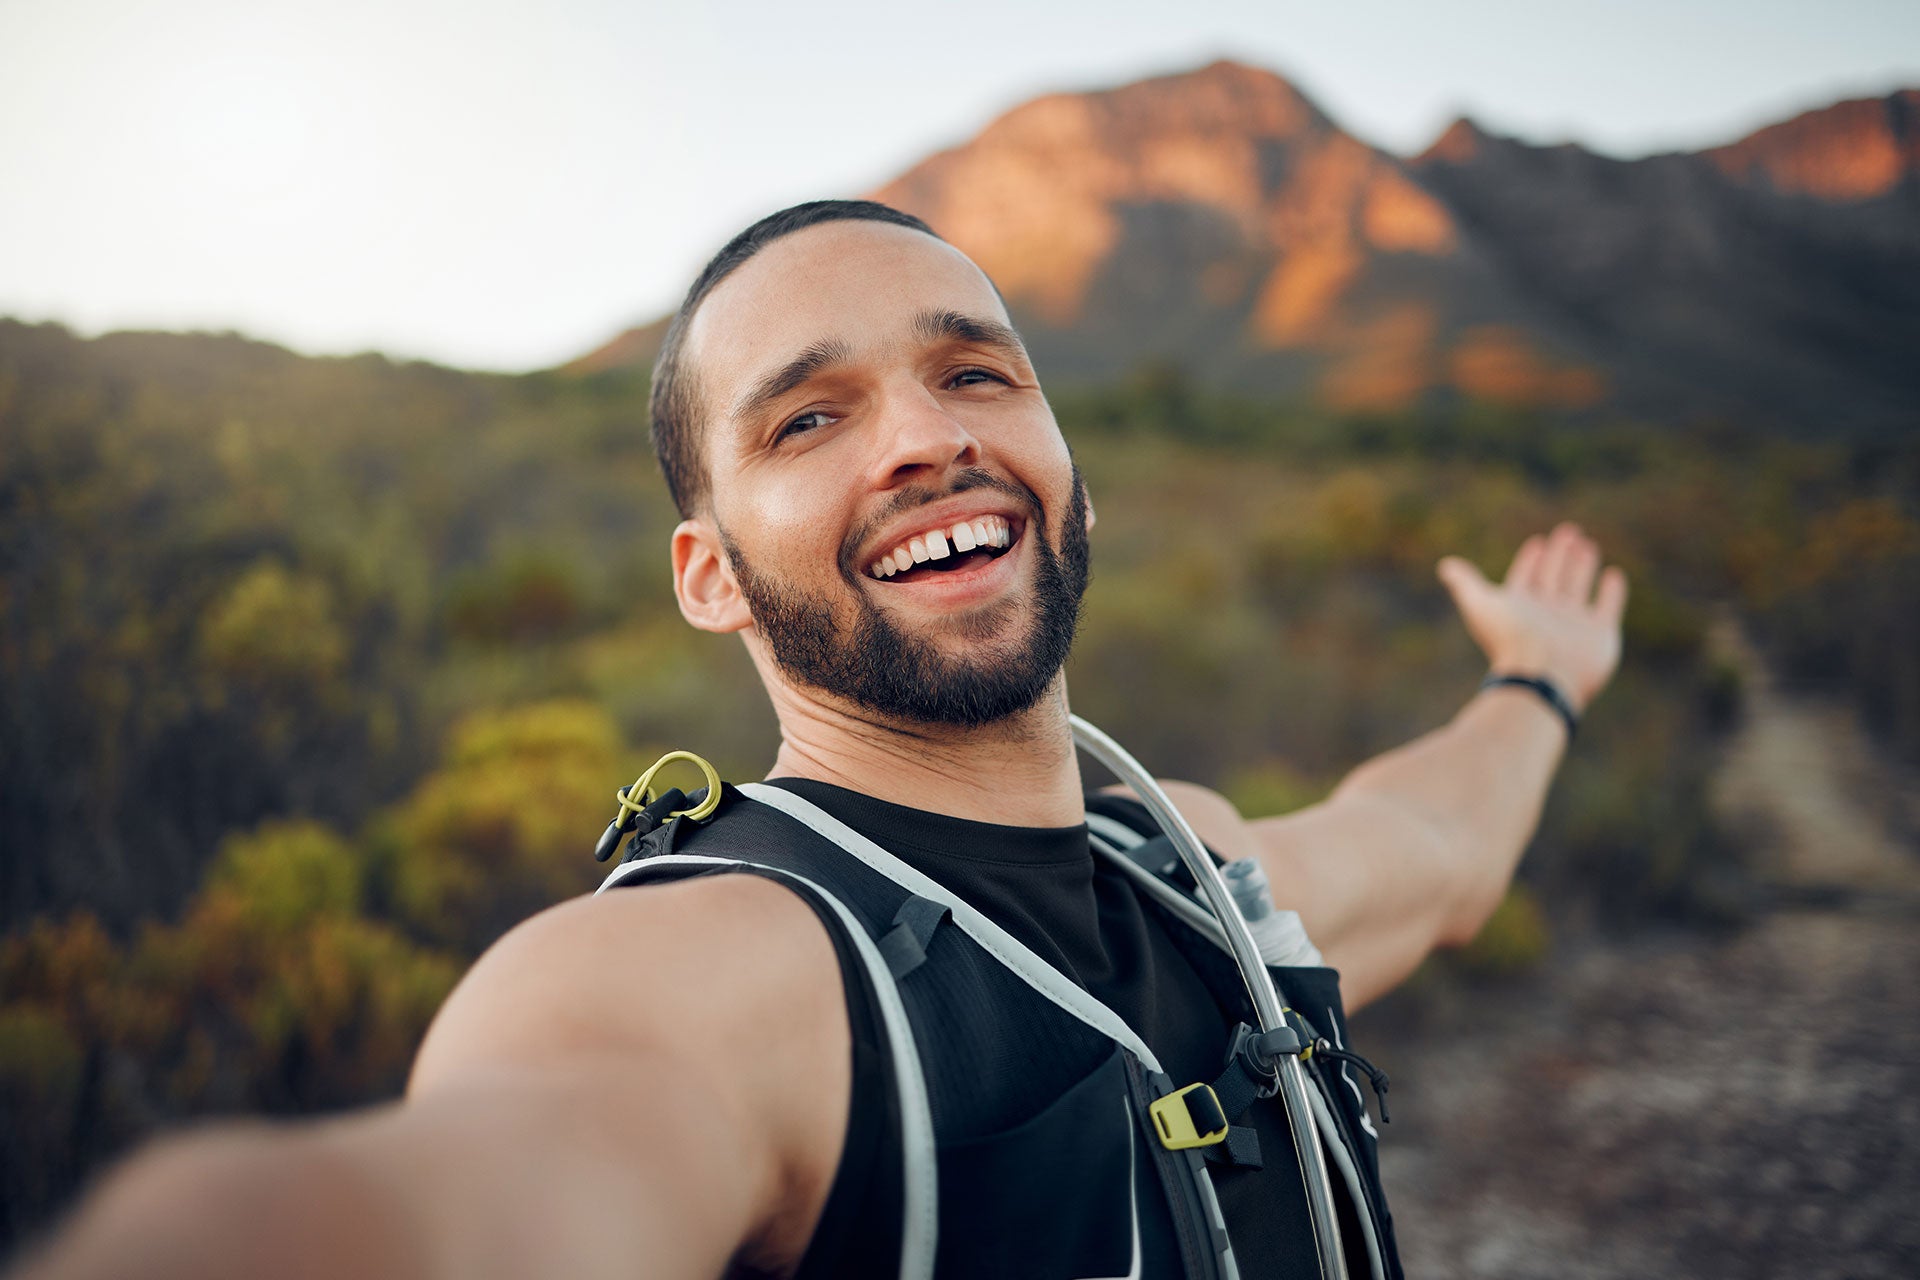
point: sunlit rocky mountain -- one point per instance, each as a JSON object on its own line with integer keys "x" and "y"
{"x": 1778, "y": 275}
{"x": 1219, "y": 221}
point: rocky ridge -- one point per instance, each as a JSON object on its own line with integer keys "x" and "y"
{"x": 1219, "y": 221}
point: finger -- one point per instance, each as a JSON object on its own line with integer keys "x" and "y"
{"x": 1463, "y": 580}
{"x": 1526, "y": 561}
{"x": 1611, "y": 603}
{"x": 1553, "y": 563}
{"x": 1582, "y": 561}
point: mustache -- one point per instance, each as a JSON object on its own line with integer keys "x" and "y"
{"x": 965, "y": 480}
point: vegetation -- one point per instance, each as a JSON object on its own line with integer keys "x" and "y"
{"x": 316, "y": 675}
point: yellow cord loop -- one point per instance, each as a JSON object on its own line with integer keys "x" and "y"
{"x": 643, "y": 788}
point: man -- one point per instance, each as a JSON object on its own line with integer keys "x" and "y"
{"x": 678, "y": 1080}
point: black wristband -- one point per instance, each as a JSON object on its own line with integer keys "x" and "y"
{"x": 1549, "y": 693}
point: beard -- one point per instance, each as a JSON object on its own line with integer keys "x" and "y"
{"x": 874, "y": 663}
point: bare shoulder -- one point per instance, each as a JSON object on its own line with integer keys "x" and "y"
{"x": 722, "y": 993}
{"x": 645, "y": 968}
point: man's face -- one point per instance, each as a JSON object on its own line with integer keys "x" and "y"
{"x": 891, "y": 490}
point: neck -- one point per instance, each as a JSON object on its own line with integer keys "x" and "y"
{"x": 1018, "y": 772}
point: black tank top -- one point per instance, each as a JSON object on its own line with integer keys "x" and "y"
{"x": 1046, "y": 888}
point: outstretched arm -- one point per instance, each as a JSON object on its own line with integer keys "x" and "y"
{"x": 596, "y": 1099}
{"x": 1416, "y": 847}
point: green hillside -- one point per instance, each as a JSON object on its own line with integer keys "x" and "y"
{"x": 318, "y": 674}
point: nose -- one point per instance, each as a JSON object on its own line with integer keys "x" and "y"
{"x": 918, "y": 438}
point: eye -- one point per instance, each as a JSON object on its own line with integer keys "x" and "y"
{"x": 808, "y": 421}
{"x": 973, "y": 377}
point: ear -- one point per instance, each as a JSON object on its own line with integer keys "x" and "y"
{"x": 1090, "y": 516}
{"x": 703, "y": 581}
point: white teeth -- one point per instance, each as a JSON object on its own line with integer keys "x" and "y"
{"x": 938, "y": 544}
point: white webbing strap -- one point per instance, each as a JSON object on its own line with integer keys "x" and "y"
{"x": 919, "y": 1236}
{"x": 1003, "y": 946}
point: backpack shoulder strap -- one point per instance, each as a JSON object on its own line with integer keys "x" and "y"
{"x": 1119, "y": 829}
{"x": 1003, "y": 946}
{"x": 919, "y": 1171}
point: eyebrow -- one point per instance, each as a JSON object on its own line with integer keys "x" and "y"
{"x": 951, "y": 326}
{"x": 928, "y": 326}
{"x": 814, "y": 360}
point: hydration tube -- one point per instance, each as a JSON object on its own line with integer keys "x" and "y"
{"x": 1253, "y": 972}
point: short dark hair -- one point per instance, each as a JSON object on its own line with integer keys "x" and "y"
{"x": 675, "y": 399}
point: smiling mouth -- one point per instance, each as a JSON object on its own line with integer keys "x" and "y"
{"x": 955, "y": 548}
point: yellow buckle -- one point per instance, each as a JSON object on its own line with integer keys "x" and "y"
{"x": 1175, "y": 1121}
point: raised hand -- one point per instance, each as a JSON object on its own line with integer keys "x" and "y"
{"x": 1546, "y": 619}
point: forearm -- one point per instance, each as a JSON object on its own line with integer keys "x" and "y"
{"x": 234, "y": 1202}
{"x": 464, "y": 1186}
{"x": 1476, "y": 787}
{"x": 1416, "y": 847}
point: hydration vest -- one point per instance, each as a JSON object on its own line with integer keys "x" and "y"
{"x": 1038, "y": 1133}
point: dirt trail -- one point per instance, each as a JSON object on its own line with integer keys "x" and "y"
{"x": 1803, "y": 783}
{"x": 1746, "y": 1106}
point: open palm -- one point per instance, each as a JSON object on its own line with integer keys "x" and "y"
{"x": 1547, "y": 618}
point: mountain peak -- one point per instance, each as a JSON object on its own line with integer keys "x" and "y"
{"x": 1222, "y": 97}
{"x": 1460, "y": 142}
{"x": 1057, "y": 194}
{"x": 1224, "y": 94}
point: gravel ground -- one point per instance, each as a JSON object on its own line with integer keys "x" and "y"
{"x": 1748, "y": 1107}
{"x": 1740, "y": 1106}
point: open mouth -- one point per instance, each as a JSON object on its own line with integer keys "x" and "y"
{"x": 954, "y": 548}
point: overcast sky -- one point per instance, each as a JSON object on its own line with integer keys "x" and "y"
{"x": 505, "y": 185}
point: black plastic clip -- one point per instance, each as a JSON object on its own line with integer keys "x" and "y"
{"x": 639, "y": 821}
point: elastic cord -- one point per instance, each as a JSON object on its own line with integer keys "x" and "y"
{"x": 1549, "y": 693}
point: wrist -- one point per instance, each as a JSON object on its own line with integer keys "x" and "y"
{"x": 1551, "y": 693}
{"x": 1534, "y": 659}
